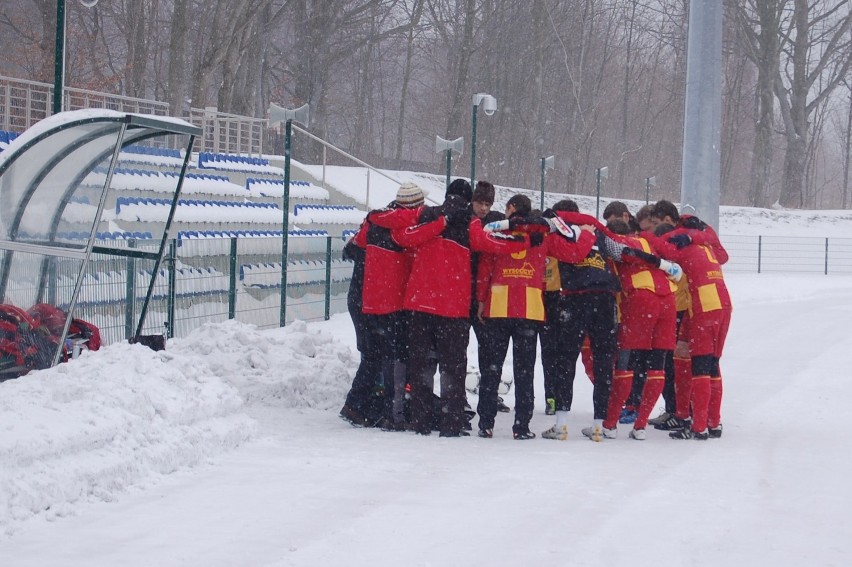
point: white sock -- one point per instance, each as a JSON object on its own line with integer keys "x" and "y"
{"x": 561, "y": 418}
{"x": 599, "y": 424}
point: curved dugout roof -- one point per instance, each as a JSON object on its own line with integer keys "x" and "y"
{"x": 54, "y": 181}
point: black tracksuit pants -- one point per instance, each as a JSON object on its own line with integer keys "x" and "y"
{"x": 580, "y": 313}
{"x": 448, "y": 337}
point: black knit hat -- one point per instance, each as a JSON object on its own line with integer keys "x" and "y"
{"x": 461, "y": 188}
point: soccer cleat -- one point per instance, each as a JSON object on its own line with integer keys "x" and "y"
{"x": 638, "y": 434}
{"x": 353, "y": 417}
{"x": 715, "y": 432}
{"x": 598, "y": 434}
{"x": 660, "y": 419}
{"x": 688, "y": 433}
{"x": 550, "y": 409}
{"x": 559, "y": 432}
{"x": 501, "y": 407}
{"x": 627, "y": 416}
{"x": 701, "y": 435}
{"x": 390, "y": 425}
{"x": 523, "y": 434}
{"x": 674, "y": 423}
{"x": 486, "y": 433}
{"x": 461, "y": 433}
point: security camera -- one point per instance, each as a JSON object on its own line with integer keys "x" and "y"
{"x": 489, "y": 105}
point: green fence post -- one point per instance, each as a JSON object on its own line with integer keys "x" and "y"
{"x": 130, "y": 293}
{"x": 170, "y": 305}
{"x": 51, "y": 282}
{"x": 232, "y": 280}
{"x": 826, "y": 256}
{"x": 327, "y": 277}
{"x": 759, "y": 252}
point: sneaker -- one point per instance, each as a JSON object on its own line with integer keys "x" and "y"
{"x": 486, "y": 433}
{"x": 353, "y": 417}
{"x": 660, "y": 419}
{"x": 523, "y": 434}
{"x": 461, "y": 433}
{"x": 627, "y": 416}
{"x": 391, "y": 425}
{"x": 674, "y": 423}
{"x": 689, "y": 434}
{"x": 598, "y": 434}
{"x": 559, "y": 432}
{"x": 715, "y": 432}
{"x": 638, "y": 434}
{"x": 501, "y": 407}
{"x": 550, "y": 409}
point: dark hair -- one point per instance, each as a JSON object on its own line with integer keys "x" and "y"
{"x": 522, "y": 204}
{"x": 663, "y": 228}
{"x": 618, "y": 226}
{"x": 616, "y": 208}
{"x": 566, "y": 205}
{"x": 645, "y": 212}
{"x": 633, "y": 225}
{"x": 663, "y": 209}
{"x": 484, "y": 192}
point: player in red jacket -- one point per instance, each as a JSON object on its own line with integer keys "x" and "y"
{"x": 510, "y": 290}
{"x": 439, "y": 295}
{"x": 646, "y": 332}
{"x": 696, "y": 247}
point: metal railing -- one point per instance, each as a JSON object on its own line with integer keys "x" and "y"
{"x": 789, "y": 254}
{"x": 23, "y": 103}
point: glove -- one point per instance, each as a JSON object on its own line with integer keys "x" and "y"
{"x": 429, "y": 214}
{"x": 549, "y": 214}
{"x": 693, "y": 222}
{"x": 681, "y": 240}
{"x": 496, "y": 226}
{"x": 536, "y": 238}
{"x": 672, "y": 270}
{"x": 458, "y": 216}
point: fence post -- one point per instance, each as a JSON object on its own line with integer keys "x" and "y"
{"x": 327, "y": 277}
{"x": 51, "y": 282}
{"x": 826, "y": 256}
{"x": 232, "y": 280}
{"x": 130, "y": 293}
{"x": 170, "y": 301}
{"x": 759, "y": 251}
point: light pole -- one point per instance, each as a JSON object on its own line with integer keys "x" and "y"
{"x": 449, "y": 146}
{"x": 649, "y": 182}
{"x": 489, "y": 105}
{"x": 601, "y": 173}
{"x": 278, "y": 114}
{"x": 59, "y": 53}
{"x": 546, "y": 163}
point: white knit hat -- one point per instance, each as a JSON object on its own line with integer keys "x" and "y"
{"x": 409, "y": 196}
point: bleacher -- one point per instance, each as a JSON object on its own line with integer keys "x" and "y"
{"x": 223, "y": 197}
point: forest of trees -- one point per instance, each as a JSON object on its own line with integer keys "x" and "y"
{"x": 593, "y": 82}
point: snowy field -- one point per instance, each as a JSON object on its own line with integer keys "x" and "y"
{"x": 226, "y": 450}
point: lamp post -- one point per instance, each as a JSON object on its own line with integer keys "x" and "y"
{"x": 279, "y": 114}
{"x": 601, "y": 173}
{"x": 546, "y": 163}
{"x": 649, "y": 182}
{"x": 489, "y": 105}
{"x": 59, "y": 53}
{"x": 449, "y": 146}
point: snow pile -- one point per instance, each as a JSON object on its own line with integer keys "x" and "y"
{"x": 120, "y": 417}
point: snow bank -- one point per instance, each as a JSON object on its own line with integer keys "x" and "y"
{"x": 120, "y": 417}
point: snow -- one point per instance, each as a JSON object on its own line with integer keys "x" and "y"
{"x": 226, "y": 449}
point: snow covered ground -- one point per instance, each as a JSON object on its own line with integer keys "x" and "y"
{"x": 226, "y": 449}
